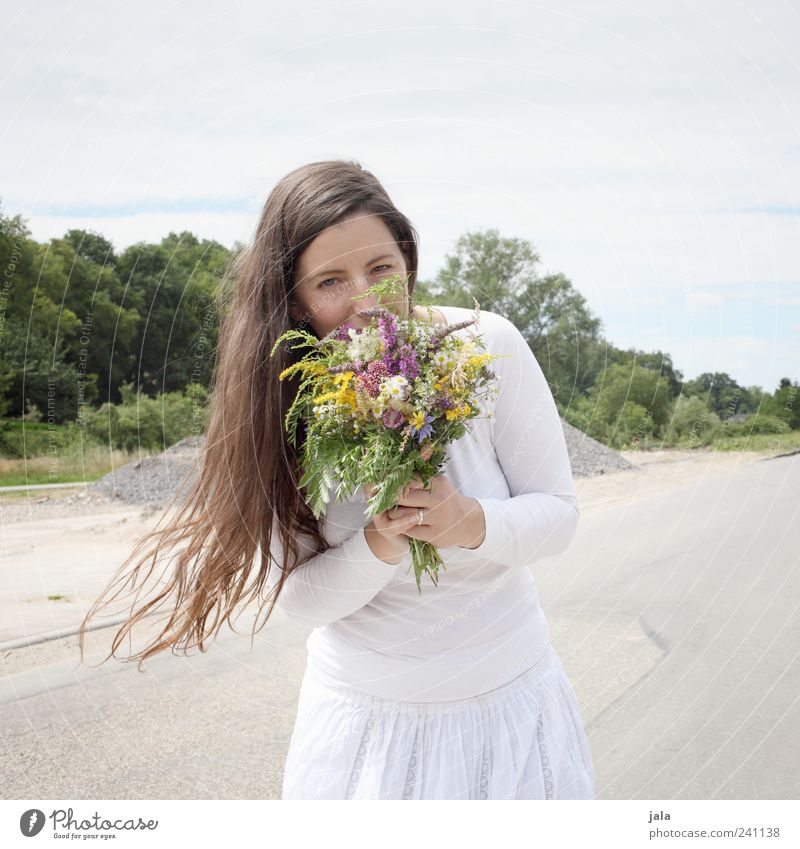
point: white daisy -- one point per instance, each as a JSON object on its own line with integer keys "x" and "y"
{"x": 395, "y": 387}
{"x": 442, "y": 359}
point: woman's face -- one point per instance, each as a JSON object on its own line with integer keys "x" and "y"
{"x": 343, "y": 261}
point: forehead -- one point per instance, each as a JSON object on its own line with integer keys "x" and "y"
{"x": 348, "y": 243}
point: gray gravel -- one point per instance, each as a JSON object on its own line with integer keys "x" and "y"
{"x": 154, "y": 481}
{"x": 590, "y": 457}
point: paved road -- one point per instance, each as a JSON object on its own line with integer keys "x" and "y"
{"x": 677, "y": 621}
{"x": 710, "y": 573}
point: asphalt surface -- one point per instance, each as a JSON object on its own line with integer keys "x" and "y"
{"x": 676, "y": 619}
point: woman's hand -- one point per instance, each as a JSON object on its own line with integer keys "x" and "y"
{"x": 391, "y": 531}
{"x": 449, "y": 518}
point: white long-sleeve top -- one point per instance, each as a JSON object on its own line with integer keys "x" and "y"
{"x": 483, "y": 625}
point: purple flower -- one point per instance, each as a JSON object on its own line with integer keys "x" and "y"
{"x": 393, "y": 419}
{"x": 408, "y": 362}
{"x": 341, "y": 334}
{"x": 388, "y": 329}
{"x": 425, "y": 431}
{"x": 371, "y": 379}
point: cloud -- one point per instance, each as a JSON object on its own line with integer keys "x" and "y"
{"x": 645, "y": 150}
{"x": 700, "y": 300}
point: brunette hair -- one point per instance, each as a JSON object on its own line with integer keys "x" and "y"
{"x": 248, "y": 479}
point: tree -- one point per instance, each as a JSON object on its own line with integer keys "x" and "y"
{"x": 785, "y": 403}
{"x": 691, "y": 422}
{"x": 173, "y": 288}
{"x": 633, "y": 402}
{"x": 501, "y": 273}
{"x": 41, "y": 375}
{"x": 91, "y": 246}
{"x": 721, "y": 393}
{"x": 657, "y": 361}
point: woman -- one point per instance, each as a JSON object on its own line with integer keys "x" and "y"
{"x": 455, "y": 693}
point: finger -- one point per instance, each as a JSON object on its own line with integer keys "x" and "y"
{"x": 416, "y": 498}
{"x": 400, "y": 514}
{"x": 407, "y": 519}
{"x": 414, "y": 483}
{"x": 395, "y": 514}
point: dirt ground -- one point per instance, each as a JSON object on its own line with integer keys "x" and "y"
{"x": 61, "y": 561}
{"x": 657, "y": 472}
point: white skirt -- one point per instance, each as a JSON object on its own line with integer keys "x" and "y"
{"x": 524, "y": 740}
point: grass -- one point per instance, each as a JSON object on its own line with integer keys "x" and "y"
{"x": 762, "y": 443}
{"x": 75, "y": 466}
{"x": 93, "y": 461}
{"x": 766, "y": 443}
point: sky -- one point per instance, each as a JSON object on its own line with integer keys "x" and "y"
{"x": 649, "y": 151}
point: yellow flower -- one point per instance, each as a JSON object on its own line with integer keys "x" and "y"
{"x": 343, "y": 395}
{"x": 478, "y": 360}
{"x": 328, "y": 396}
{"x": 349, "y": 398}
{"x": 344, "y": 378}
{"x": 457, "y": 412}
{"x": 306, "y": 366}
{"x": 417, "y": 420}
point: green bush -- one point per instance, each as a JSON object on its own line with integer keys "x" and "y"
{"x": 20, "y": 439}
{"x": 627, "y": 408}
{"x": 149, "y": 423}
{"x": 582, "y": 414}
{"x": 692, "y": 424}
{"x": 633, "y": 427}
{"x": 757, "y": 423}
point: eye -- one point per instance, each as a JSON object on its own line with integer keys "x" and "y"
{"x": 333, "y": 279}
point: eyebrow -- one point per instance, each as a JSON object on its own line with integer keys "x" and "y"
{"x": 342, "y": 271}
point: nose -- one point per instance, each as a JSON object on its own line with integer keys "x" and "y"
{"x": 360, "y": 286}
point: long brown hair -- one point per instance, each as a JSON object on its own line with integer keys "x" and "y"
{"x": 249, "y": 473}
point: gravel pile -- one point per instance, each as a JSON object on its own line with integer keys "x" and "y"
{"x": 590, "y": 457}
{"x": 154, "y": 481}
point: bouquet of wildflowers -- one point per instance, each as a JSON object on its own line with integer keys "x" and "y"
{"x": 381, "y": 405}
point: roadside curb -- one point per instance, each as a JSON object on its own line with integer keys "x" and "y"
{"x": 71, "y": 631}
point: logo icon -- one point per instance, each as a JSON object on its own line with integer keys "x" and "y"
{"x": 31, "y": 822}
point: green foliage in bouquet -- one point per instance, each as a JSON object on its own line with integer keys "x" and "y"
{"x": 381, "y": 404}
